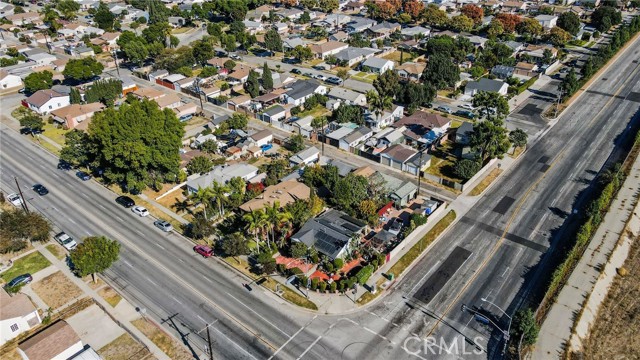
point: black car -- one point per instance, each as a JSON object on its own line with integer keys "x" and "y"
{"x": 20, "y": 280}
{"x": 466, "y": 114}
{"x": 40, "y": 189}
{"x": 125, "y": 201}
{"x": 296, "y": 71}
{"x": 319, "y": 67}
{"x": 83, "y": 176}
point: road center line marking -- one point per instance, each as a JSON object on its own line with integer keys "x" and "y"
{"x": 293, "y": 336}
{"x": 309, "y": 348}
{"x": 160, "y": 246}
{"x": 260, "y": 316}
{"x": 127, "y": 263}
{"x": 174, "y": 298}
{"x": 151, "y": 281}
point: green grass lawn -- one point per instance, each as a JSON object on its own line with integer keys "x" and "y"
{"x": 29, "y": 264}
{"x": 55, "y": 133}
{"x": 56, "y": 250}
{"x": 442, "y": 162}
{"x": 395, "y": 56}
{"x": 315, "y": 112}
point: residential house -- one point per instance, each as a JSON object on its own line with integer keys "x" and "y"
{"x": 339, "y": 36}
{"x": 335, "y": 20}
{"x": 45, "y": 101}
{"x": 416, "y": 32}
{"x": 383, "y": 29}
{"x": 477, "y": 41}
{"x": 176, "y": 21}
{"x": 273, "y": 114}
{"x": 303, "y": 126}
{"x": 9, "y": 81}
{"x": 308, "y": 156}
{"x": 222, "y": 174}
{"x": 537, "y": 51}
{"x": 463, "y": 133}
{"x": 381, "y": 121}
{"x": 201, "y": 139}
{"x": 148, "y": 93}
{"x": 502, "y": 72}
{"x": 17, "y": 315}
{"x": 410, "y": 71}
{"x": 385, "y": 138}
{"x": 424, "y": 128}
{"x": 352, "y": 55}
{"x": 238, "y": 102}
{"x": 258, "y": 13}
{"x": 301, "y": 90}
{"x": 382, "y": 239}
{"x": 340, "y": 133}
{"x": 185, "y": 110}
{"x": 514, "y": 45}
{"x": 83, "y": 52}
{"x": 292, "y": 42}
{"x": 6, "y": 9}
{"x": 359, "y": 24}
{"x": 24, "y": 18}
{"x": 253, "y": 27}
{"x": 405, "y": 158}
{"x": 169, "y": 101}
{"x": 330, "y": 233}
{"x": 239, "y": 75}
{"x": 356, "y": 137}
{"x": 73, "y": 115}
{"x": 547, "y": 21}
{"x": 377, "y": 65}
{"x": 262, "y": 137}
{"x": 525, "y": 71}
{"x": 292, "y": 14}
{"x": 347, "y": 96}
{"x": 514, "y": 6}
{"x": 402, "y": 195}
{"x": 284, "y": 193}
{"x": 57, "y": 341}
{"x": 355, "y": 6}
{"x": 40, "y": 57}
{"x": 328, "y": 48}
{"x": 158, "y": 75}
{"x": 484, "y": 84}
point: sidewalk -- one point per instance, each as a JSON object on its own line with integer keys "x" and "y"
{"x": 559, "y": 324}
{"x": 124, "y": 313}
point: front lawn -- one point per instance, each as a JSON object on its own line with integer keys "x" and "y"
{"x": 55, "y": 133}
{"x": 29, "y": 264}
{"x": 395, "y": 56}
{"x": 442, "y": 163}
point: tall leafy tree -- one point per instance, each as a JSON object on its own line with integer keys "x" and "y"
{"x": 74, "y": 96}
{"x": 492, "y": 104}
{"x": 104, "y": 18}
{"x": 530, "y": 27}
{"x": 82, "y": 69}
{"x": 33, "y": 122}
{"x": 199, "y": 165}
{"x": 39, "y": 80}
{"x": 235, "y": 245}
{"x": 253, "y": 84}
{"x": 518, "y": 137}
{"x": 275, "y": 217}
{"x": 202, "y": 51}
{"x": 94, "y": 255}
{"x": 349, "y": 192}
{"x": 490, "y": 139}
{"x": 219, "y": 193}
{"x": 387, "y": 84}
{"x": 473, "y": 12}
{"x": 272, "y": 40}
{"x": 604, "y": 17}
{"x": 461, "y": 23}
{"x": 77, "y": 148}
{"x": 441, "y": 72}
{"x": 508, "y": 21}
{"x": 18, "y": 227}
{"x": 569, "y": 22}
{"x": 433, "y": 16}
{"x": 104, "y": 91}
{"x": 558, "y": 37}
{"x": 348, "y": 113}
{"x": 267, "y": 78}
{"x": 204, "y": 197}
{"x": 68, "y": 9}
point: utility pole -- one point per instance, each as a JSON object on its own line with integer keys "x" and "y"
{"x": 115, "y": 57}
{"x": 199, "y": 93}
{"x": 22, "y": 199}
{"x": 323, "y": 139}
{"x": 209, "y": 341}
{"x": 420, "y": 171}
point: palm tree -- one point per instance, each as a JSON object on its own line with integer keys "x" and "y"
{"x": 219, "y": 193}
{"x": 254, "y": 223}
{"x": 202, "y": 196}
{"x": 378, "y": 104}
{"x": 275, "y": 218}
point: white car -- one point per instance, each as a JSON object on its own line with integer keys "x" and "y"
{"x": 15, "y": 200}
{"x": 321, "y": 77}
{"x": 467, "y": 106}
{"x": 66, "y": 241}
{"x": 140, "y": 211}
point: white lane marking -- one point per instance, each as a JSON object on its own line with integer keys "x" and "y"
{"x": 178, "y": 301}
{"x": 505, "y": 271}
{"x": 127, "y": 263}
{"x": 435, "y": 266}
{"x": 151, "y": 281}
{"x": 309, "y": 348}
{"x": 200, "y": 317}
{"x": 119, "y": 218}
{"x": 70, "y": 219}
{"x": 84, "y": 195}
{"x": 234, "y": 343}
{"x": 182, "y": 261}
{"x": 206, "y": 278}
{"x": 160, "y": 246}
{"x": 102, "y": 207}
{"x": 260, "y": 316}
{"x": 139, "y": 232}
{"x": 293, "y": 336}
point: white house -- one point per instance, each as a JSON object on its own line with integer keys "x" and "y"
{"x": 45, "y": 101}
{"x": 347, "y": 96}
{"x": 253, "y": 27}
{"x": 377, "y": 65}
{"x": 305, "y": 157}
{"x": 547, "y": 21}
{"x": 17, "y": 315}
{"x": 301, "y": 90}
{"x": 275, "y": 113}
{"x": 354, "y": 138}
{"x": 9, "y": 81}
{"x": 262, "y": 137}
{"x": 58, "y": 341}
{"x": 485, "y": 84}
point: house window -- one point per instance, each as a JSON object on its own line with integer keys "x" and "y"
{"x": 14, "y": 327}
{"x": 50, "y": 107}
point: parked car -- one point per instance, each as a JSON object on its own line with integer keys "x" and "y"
{"x": 140, "y": 211}
{"x": 235, "y": 57}
{"x": 467, "y": 106}
{"x": 321, "y": 77}
{"x": 125, "y": 201}
{"x": 291, "y": 61}
{"x": 83, "y": 176}
{"x": 308, "y": 74}
{"x": 15, "y": 200}
{"x": 23, "y": 279}
{"x": 266, "y": 147}
{"x": 65, "y": 240}
{"x": 296, "y": 71}
{"x": 466, "y": 114}
{"x": 396, "y": 226}
{"x": 319, "y": 67}
{"x": 334, "y": 80}
{"x": 203, "y": 250}
{"x": 444, "y": 109}
{"x": 40, "y": 189}
{"x": 163, "y": 225}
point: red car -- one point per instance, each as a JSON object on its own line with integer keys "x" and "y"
{"x": 203, "y": 250}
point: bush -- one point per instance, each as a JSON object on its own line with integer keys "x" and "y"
{"x": 596, "y": 34}
{"x": 525, "y": 325}
{"x": 314, "y": 283}
{"x": 364, "y": 274}
{"x": 333, "y": 286}
{"x": 281, "y": 269}
{"x": 329, "y": 267}
{"x": 338, "y": 264}
{"x": 418, "y": 219}
{"x": 322, "y": 286}
{"x": 586, "y": 36}
{"x": 375, "y": 264}
{"x": 295, "y": 110}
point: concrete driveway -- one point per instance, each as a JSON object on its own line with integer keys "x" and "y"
{"x": 84, "y": 323}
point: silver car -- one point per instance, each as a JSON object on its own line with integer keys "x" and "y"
{"x": 163, "y": 225}
{"x": 66, "y": 241}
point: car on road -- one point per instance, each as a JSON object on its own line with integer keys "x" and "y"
{"x": 15, "y": 200}
{"x": 396, "y": 226}
{"x": 163, "y": 225}
{"x": 467, "y": 106}
{"x": 308, "y": 74}
{"x": 319, "y": 67}
{"x": 291, "y": 61}
{"x": 321, "y": 77}
{"x": 83, "y": 176}
{"x": 296, "y": 71}
{"x": 465, "y": 114}
{"x": 334, "y": 80}
{"x": 203, "y": 250}
{"x": 23, "y": 279}
{"x": 65, "y": 240}
{"x": 235, "y": 57}
{"x": 40, "y": 189}
{"x": 140, "y": 211}
{"x": 444, "y": 109}
{"x": 125, "y": 201}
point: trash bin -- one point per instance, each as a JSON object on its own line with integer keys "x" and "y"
{"x": 390, "y": 276}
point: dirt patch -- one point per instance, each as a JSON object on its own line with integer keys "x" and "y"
{"x": 11, "y": 355}
{"x": 94, "y": 285}
{"x": 124, "y": 348}
{"x": 166, "y": 343}
{"x": 485, "y": 182}
{"x": 110, "y": 295}
{"x": 56, "y": 290}
{"x": 615, "y": 333}
{"x": 57, "y": 251}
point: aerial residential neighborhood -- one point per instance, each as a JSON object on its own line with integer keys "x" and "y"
{"x": 319, "y": 179}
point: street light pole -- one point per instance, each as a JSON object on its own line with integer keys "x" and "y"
{"x": 508, "y": 326}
